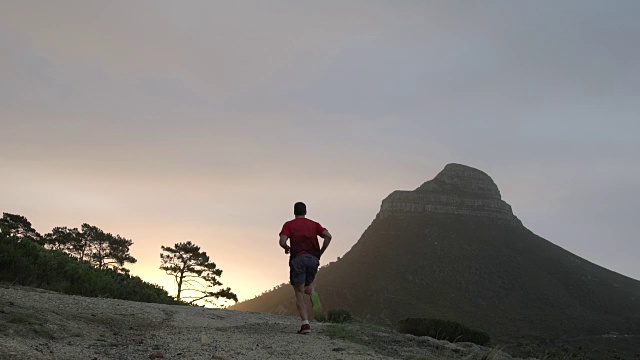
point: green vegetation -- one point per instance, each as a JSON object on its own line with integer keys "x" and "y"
{"x": 339, "y": 315}
{"x": 90, "y": 262}
{"x": 592, "y": 349}
{"x": 336, "y": 331}
{"x": 102, "y": 250}
{"x": 442, "y": 330}
{"x": 194, "y": 272}
{"x": 26, "y": 259}
{"x": 390, "y": 343}
{"x": 335, "y": 316}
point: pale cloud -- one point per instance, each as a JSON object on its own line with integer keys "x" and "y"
{"x": 218, "y": 48}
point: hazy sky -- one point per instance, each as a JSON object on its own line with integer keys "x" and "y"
{"x": 168, "y": 121}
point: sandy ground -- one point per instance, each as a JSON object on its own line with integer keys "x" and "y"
{"x": 38, "y": 324}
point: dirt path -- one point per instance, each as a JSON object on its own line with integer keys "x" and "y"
{"x": 37, "y": 324}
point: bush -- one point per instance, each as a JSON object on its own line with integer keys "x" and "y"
{"x": 442, "y": 330}
{"x": 339, "y": 316}
{"x": 24, "y": 262}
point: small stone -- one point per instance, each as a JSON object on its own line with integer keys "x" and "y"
{"x": 338, "y": 349}
{"x": 156, "y": 355}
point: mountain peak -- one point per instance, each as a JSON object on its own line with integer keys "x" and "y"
{"x": 459, "y": 190}
{"x": 463, "y": 180}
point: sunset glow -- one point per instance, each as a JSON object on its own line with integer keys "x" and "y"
{"x": 206, "y": 121}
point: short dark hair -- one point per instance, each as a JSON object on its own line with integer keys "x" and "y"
{"x": 299, "y": 209}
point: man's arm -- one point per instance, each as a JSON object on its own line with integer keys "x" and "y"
{"x": 283, "y": 243}
{"x": 327, "y": 239}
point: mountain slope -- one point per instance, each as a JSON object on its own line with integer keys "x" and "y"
{"x": 453, "y": 249}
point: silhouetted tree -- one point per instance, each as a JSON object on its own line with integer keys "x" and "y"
{"x": 194, "y": 273}
{"x": 18, "y": 227}
{"x": 104, "y": 250}
{"x": 91, "y": 244}
{"x": 63, "y": 238}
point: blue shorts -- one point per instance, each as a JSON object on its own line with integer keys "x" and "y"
{"x": 303, "y": 269}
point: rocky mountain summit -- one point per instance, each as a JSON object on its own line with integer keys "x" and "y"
{"x": 458, "y": 190}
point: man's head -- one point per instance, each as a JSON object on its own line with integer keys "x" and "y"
{"x": 299, "y": 209}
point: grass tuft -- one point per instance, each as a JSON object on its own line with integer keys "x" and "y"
{"x": 336, "y": 331}
{"x": 339, "y": 316}
{"x": 442, "y": 330}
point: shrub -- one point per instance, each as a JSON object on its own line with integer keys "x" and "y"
{"x": 442, "y": 330}
{"x": 344, "y": 332}
{"x": 339, "y": 316}
{"x": 27, "y": 263}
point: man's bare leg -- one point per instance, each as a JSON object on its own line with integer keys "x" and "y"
{"x": 300, "y": 290}
{"x": 308, "y": 289}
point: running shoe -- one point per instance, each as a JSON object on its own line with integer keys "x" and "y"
{"x": 304, "y": 329}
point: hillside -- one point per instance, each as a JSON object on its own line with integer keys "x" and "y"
{"x": 39, "y": 324}
{"x": 453, "y": 249}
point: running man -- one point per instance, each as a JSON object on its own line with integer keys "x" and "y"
{"x": 304, "y": 259}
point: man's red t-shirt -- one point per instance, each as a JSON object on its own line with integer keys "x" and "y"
{"x": 304, "y": 234}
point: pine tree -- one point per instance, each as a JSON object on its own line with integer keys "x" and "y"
{"x": 18, "y": 227}
{"x": 194, "y": 273}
